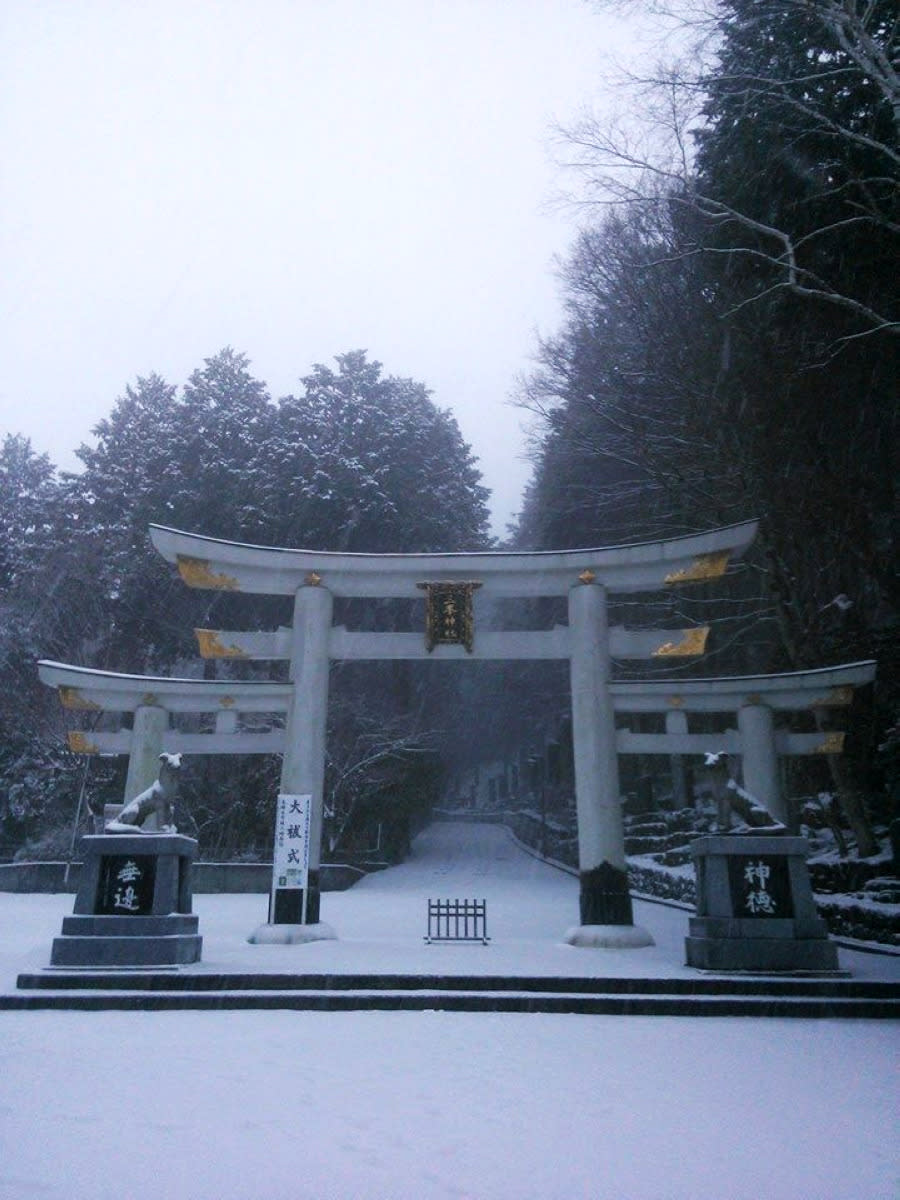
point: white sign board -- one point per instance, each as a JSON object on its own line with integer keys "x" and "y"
{"x": 290, "y": 863}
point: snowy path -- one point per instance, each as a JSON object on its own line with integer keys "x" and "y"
{"x": 421, "y": 1106}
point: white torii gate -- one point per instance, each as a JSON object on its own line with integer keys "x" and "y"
{"x": 585, "y": 577}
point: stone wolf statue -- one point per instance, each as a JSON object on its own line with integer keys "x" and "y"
{"x": 158, "y": 799}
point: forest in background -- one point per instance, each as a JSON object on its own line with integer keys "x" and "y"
{"x": 357, "y": 461}
{"x": 730, "y": 350}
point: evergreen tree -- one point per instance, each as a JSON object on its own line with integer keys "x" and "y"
{"x": 362, "y": 461}
{"x": 37, "y": 772}
{"x": 359, "y": 461}
{"x": 627, "y": 449}
{"x": 175, "y": 460}
{"x": 227, "y": 420}
{"x": 366, "y": 462}
{"x": 28, "y": 489}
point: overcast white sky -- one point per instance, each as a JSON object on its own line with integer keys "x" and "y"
{"x": 294, "y": 178}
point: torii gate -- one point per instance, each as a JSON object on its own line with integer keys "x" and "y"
{"x": 585, "y": 577}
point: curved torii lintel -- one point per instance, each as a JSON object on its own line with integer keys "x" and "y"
{"x": 85, "y": 688}
{"x": 206, "y": 562}
{"x": 88, "y": 689}
{"x": 790, "y": 691}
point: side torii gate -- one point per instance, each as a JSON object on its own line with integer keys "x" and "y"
{"x": 247, "y": 717}
{"x": 450, "y": 581}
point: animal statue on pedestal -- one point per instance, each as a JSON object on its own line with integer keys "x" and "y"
{"x": 730, "y": 796}
{"x": 156, "y": 800}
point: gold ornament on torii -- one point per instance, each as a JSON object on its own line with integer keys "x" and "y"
{"x": 449, "y": 614}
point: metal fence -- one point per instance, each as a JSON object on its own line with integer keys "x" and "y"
{"x": 457, "y": 921}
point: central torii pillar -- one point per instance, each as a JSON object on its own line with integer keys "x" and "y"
{"x": 303, "y": 766}
{"x": 294, "y": 912}
{"x": 605, "y": 902}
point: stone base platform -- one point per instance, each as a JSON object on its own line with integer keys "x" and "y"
{"x": 291, "y": 935}
{"x": 723, "y": 944}
{"x": 608, "y": 937}
{"x": 107, "y": 941}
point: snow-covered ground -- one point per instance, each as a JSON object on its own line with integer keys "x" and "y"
{"x": 376, "y": 1106}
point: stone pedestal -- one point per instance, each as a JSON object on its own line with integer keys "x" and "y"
{"x": 755, "y": 908}
{"x": 133, "y": 907}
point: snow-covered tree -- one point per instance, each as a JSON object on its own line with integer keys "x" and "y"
{"x": 363, "y": 461}
{"x": 28, "y": 489}
{"x": 357, "y": 461}
{"x": 37, "y": 773}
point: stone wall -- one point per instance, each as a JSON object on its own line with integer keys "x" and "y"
{"x": 212, "y": 878}
{"x": 846, "y": 916}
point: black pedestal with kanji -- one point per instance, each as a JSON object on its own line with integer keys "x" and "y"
{"x": 755, "y": 908}
{"x": 133, "y": 907}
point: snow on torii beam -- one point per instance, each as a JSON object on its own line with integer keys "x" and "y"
{"x": 789, "y": 691}
{"x": 90, "y": 690}
{"x": 315, "y": 577}
{"x": 205, "y": 562}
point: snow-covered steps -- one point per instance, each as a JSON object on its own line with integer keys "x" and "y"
{"x": 692, "y": 997}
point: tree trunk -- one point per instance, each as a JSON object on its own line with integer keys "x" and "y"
{"x": 851, "y": 802}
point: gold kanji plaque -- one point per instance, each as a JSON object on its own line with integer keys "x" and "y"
{"x": 449, "y": 614}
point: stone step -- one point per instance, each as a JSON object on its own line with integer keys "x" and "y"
{"x": 125, "y": 950}
{"x": 598, "y": 1003}
{"x": 884, "y": 890}
{"x": 110, "y": 926}
{"x": 700, "y": 996}
{"x": 673, "y": 858}
{"x": 709, "y": 985}
{"x": 641, "y": 844}
{"x": 641, "y": 827}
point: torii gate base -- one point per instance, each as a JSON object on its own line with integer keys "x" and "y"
{"x": 609, "y": 937}
{"x": 279, "y": 934}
